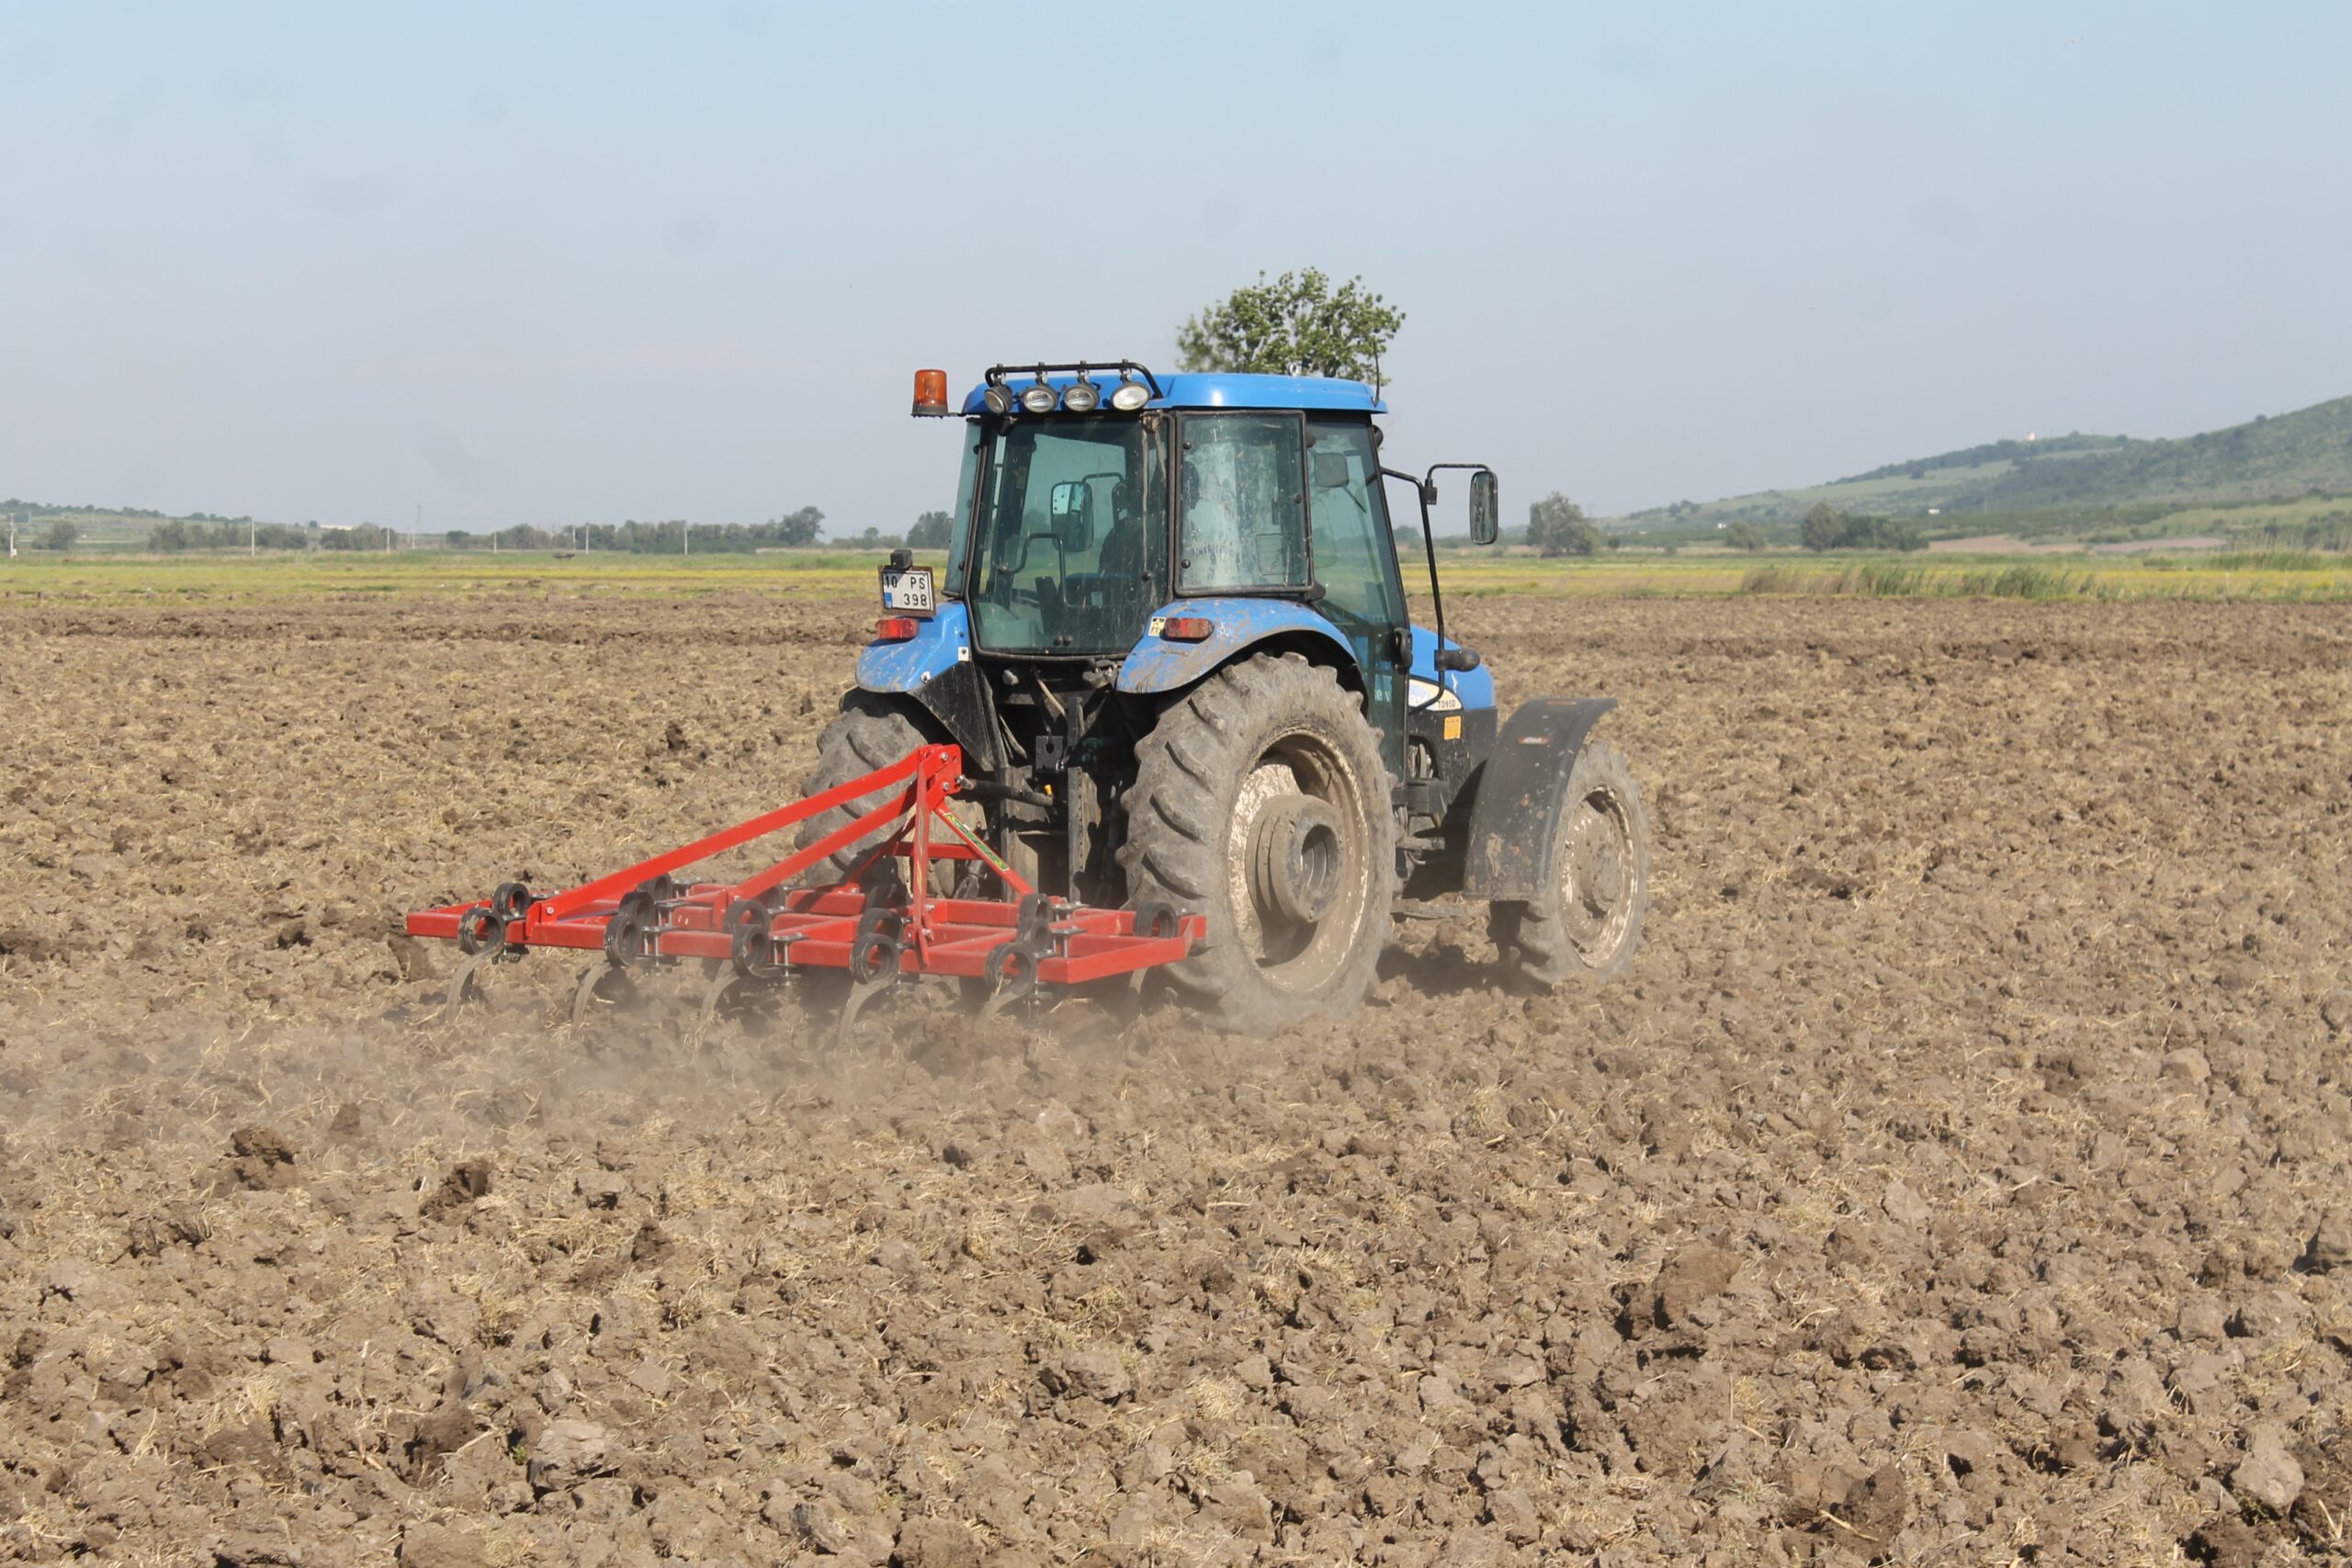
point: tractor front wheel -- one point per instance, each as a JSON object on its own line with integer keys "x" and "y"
{"x": 1587, "y": 923}
{"x": 1260, "y": 803}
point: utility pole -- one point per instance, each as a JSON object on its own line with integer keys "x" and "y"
{"x": 414, "y": 534}
{"x": 687, "y": 532}
{"x": 253, "y": 537}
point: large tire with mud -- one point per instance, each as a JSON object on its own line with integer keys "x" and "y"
{"x": 873, "y": 731}
{"x": 1587, "y": 925}
{"x": 1260, "y": 803}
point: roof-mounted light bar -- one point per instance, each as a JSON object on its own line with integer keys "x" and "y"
{"x": 1081, "y": 396}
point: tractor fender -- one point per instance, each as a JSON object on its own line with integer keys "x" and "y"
{"x": 935, "y": 669}
{"x": 1515, "y": 815}
{"x": 1157, "y": 664}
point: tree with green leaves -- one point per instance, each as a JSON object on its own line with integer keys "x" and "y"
{"x": 60, "y": 534}
{"x": 1296, "y": 325}
{"x": 1745, "y": 537}
{"x": 1824, "y": 528}
{"x": 930, "y": 531}
{"x": 799, "y": 527}
{"x": 1557, "y": 526}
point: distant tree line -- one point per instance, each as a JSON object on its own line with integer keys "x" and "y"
{"x": 175, "y": 535}
{"x": 18, "y": 503}
{"x": 801, "y": 527}
{"x": 1827, "y": 528}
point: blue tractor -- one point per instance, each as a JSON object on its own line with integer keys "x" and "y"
{"x": 1170, "y": 639}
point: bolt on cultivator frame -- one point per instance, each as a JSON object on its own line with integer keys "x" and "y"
{"x": 878, "y": 924}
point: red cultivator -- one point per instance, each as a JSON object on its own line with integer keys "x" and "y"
{"x": 880, "y": 925}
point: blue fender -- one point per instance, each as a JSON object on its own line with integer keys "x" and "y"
{"x": 1475, "y": 689}
{"x": 938, "y": 644}
{"x": 1159, "y": 665}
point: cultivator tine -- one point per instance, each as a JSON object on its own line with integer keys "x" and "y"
{"x": 861, "y": 993}
{"x": 715, "y": 992}
{"x": 463, "y": 986}
{"x": 1013, "y": 967}
{"x": 584, "y": 997}
{"x": 990, "y": 1010}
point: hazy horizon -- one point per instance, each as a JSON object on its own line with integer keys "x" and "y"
{"x": 570, "y": 264}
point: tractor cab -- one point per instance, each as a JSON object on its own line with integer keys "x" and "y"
{"x": 1098, "y": 518}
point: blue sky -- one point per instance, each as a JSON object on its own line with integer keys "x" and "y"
{"x": 553, "y": 263}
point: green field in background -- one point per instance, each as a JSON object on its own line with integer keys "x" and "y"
{"x": 838, "y": 575}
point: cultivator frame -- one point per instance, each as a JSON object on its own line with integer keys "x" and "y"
{"x": 878, "y": 924}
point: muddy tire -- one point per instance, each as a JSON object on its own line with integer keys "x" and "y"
{"x": 1260, "y": 803}
{"x": 1589, "y": 925}
{"x": 873, "y": 731}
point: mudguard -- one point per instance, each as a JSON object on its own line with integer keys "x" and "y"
{"x": 1159, "y": 665}
{"x": 1514, "y": 819}
{"x": 936, "y": 668}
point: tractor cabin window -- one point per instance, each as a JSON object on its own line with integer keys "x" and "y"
{"x": 1353, "y": 557}
{"x": 1241, "y": 513}
{"x": 1071, "y": 536}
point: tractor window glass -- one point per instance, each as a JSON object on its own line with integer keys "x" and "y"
{"x": 1243, "y": 520}
{"x": 959, "y": 534}
{"x": 1071, "y": 536}
{"x": 1353, "y": 558}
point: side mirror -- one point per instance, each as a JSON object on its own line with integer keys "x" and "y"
{"x": 1485, "y": 507}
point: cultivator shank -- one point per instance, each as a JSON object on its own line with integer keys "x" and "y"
{"x": 881, "y": 924}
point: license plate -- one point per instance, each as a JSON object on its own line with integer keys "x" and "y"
{"x": 908, "y": 591}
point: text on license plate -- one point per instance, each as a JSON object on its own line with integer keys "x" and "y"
{"x": 909, "y": 590}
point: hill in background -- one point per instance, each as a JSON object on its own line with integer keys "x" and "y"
{"x": 2308, "y": 453}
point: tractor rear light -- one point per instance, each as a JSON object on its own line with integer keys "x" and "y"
{"x": 1129, "y": 396}
{"x": 1188, "y": 628}
{"x": 931, "y": 394}
{"x": 1083, "y": 396}
{"x": 896, "y": 628}
{"x": 1041, "y": 398}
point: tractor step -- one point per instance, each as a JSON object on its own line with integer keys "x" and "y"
{"x": 879, "y": 924}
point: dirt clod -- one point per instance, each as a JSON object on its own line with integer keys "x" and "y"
{"x": 2269, "y": 1474}
{"x": 264, "y": 1158}
{"x": 1694, "y": 1275}
{"x": 439, "y": 1546}
{"x": 465, "y": 1182}
{"x": 568, "y": 1452}
{"x": 2331, "y": 1245}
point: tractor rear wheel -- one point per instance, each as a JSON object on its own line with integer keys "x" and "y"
{"x": 1260, "y": 803}
{"x": 873, "y": 731}
{"x": 1587, "y": 925}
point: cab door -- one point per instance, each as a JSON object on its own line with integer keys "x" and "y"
{"x": 1355, "y": 566}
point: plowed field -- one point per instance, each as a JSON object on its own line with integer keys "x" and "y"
{"x": 1961, "y": 1176}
